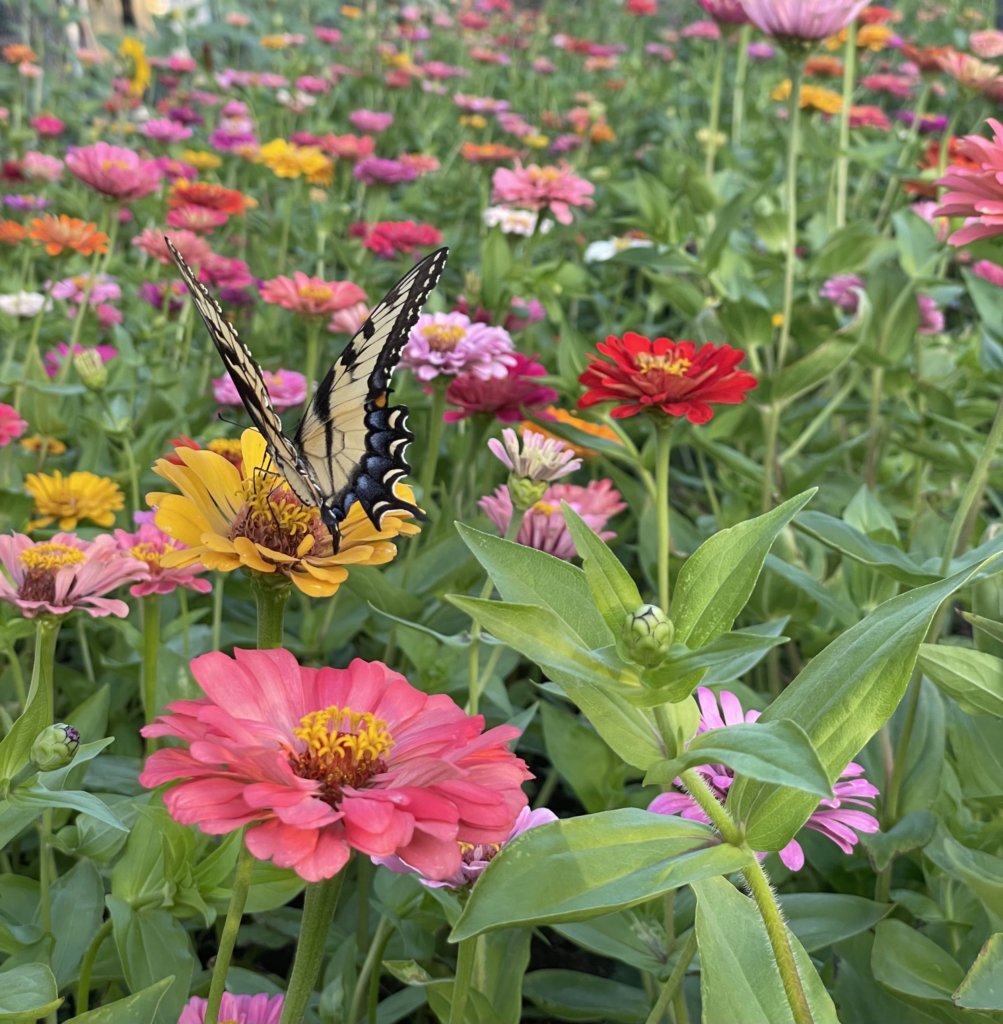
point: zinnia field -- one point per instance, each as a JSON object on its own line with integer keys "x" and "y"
{"x": 502, "y": 513}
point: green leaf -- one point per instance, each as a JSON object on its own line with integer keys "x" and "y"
{"x": 496, "y": 263}
{"x": 77, "y": 911}
{"x": 841, "y": 699}
{"x": 908, "y": 962}
{"x": 986, "y": 297}
{"x": 718, "y": 578}
{"x": 917, "y": 243}
{"x": 28, "y": 992}
{"x": 981, "y": 872}
{"x": 912, "y": 832}
{"x": 141, "y": 1006}
{"x": 779, "y": 752}
{"x": 973, "y": 679}
{"x": 845, "y": 250}
{"x": 14, "y": 747}
{"x": 595, "y": 773}
{"x": 819, "y": 919}
{"x": 36, "y": 797}
{"x": 616, "y": 594}
{"x": 577, "y": 868}
{"x": 739, "y": 980}
{"x": 572, "y": 995}
{"x": 843, "y": 612}
{"x": 982, "y": 988}
{"x": 818, "y": 366}
{"x": 626, "y": 936}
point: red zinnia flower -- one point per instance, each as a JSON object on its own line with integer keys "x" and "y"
{"x": 676, "y": 377}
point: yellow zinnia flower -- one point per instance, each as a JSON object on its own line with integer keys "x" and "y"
{"x": 274, "y": 42}
{"x": 812, "y": 97}
{"x": 53, "y": 446}
{"x": 68, "y": 499}
{"x": 134, "y": 52}
{"x": 201, "y": 160}
{"x": 287, "y": 160}
{"x": 232, "y": 519}
{"x": 351, "y": 11}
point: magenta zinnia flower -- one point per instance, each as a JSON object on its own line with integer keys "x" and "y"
{"x": 375, "y": 170}
{"x": 286, "y": 389}
{"x": 11, "y": 424}
{"x": 163, "y": 129}
{"x": 726, "y": 12}
{"x": 540, "y": 188}
{"x": 976, "y": 194}
{"x": 149, "y": 544}
{"x": 320, "y": 761}
{"x": 802, "y": 19}
{"x": 501, "y": 397}
{"x": 543, "y": 526}
{"x": 448, "y": 343}
{"x": 259, "y": 1009}
{"x": 61, "y": 575}
{"x": 114, "y": 171}
{"x": 843, "y": 291}
{"x": 835, "y": 818}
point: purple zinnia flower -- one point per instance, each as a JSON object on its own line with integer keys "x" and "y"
{"x": 929, "y": 124}
{"x": 449, "y": 343}
{"x": 25, "y": 202}
{"x": 841, "y": 290}
{"x": 833, "y": 817}
{"x": 375, "y": 170}
{"x": 760, "y": 51}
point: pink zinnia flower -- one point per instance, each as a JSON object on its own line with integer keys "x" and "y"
{"x": 543, "y": 526}
{"x": 702, "y": 30}
{"x": 931, "y": 319}
{"x": 375, "y": 170}
{"x": 163, "y": 129}
{"x": 371, "y": 121}
{"x": 173, "y": 169}
{"x": 976, "y": 194}
{"x": 348, "y": 321}
{"x": 41, "y": 167}
{"x": 311, "y": 296}
{"x": 835, "y": 818}
{"x": 987, "y": 43}
{"x": 539, "y": 458}
{"x": 348, "y": 147}
{"x": 11, "y": 424}
{"x": 48, "y": 126}
{"x": 869, "y": 117}
{"x": 114, "y": 171}
{"x": 893, "y": 85}
{"x": 505, "y": 398}
{"x": 225, "y": 272}
{"x": 61, "y": 575}
{"x": 420, "y": 163}
{"x": 286, "y": 389}
{"x": 53, "y": 360}
{"x": 194, "y": 250}
{"x": 802, "y": 19}
{"x": 449, "y": 343}
{"x": 313, "y": 84}
{"x": 327, "y": 35}
{"x": 726, "y": 12}
{"x": 389, "y": 237}
{"x": 841, "y": 290}
{"x": 988, "y": 271}
{"x": 258, "y": 1009}
{"x": 540, "y": 188}
{"x": 149, "y": 544}
{"x": 189, "y": 217}
{"x": 72, "y": 289}
{"x": 320, "y": 761}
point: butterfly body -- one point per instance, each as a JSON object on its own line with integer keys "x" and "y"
{"x": 351, "y": 443}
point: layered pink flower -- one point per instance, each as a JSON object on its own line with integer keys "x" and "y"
{"x": 843, "y": 290}
{"x": 976, "y": 194}
{"x": 320, "y": 761}
{"x": 41, "y": 167}
{"x": 505, "y": 398}
{"x": 802, "y": 19}
{"x": 61, "y": 575}
{"x": 286, "y": 388}
{"x": 149, "y": 544}
{"x": 375, "y": 170}
{"x": 11, "y": 424}
{"x": 47, "y": 125}
{"x": 543, "y": 526}
{"x": 540, "y": 188}
{"x": 114, "y": 171}
{"x": 163, "y": 129}
{"x": 448, "y": 343}
{"x": 835, "y": 818}
{"x": 726, "y": 12}
{"x": 349, "y": 320}
{"x": 258, "y": 1009}
{"x": 311, "y": 296}
{"x": 371, "y": 121}
{"x": 194, "y": 250}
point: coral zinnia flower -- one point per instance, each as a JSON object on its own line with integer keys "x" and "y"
{"x": 195, "y": 218}
{"x": 558, "y": 415}
{"x": 11, "y": 424}
{"x": 539, "y": 188}
{"x": 320, "y": 761}
{"x": 114, "y": 171}
{"x": 675, "y": 377}
{"x": 232, "y": 518}
{"x": 194, "y": 250}
{"x": 975, "y": 190}
{"x": 11, "y": 232}
{"x": 311, "y": 296}
{"x": 207, "y": 194}
{"x": 389, "y": 237}
{"x": 56, "y": 576}
{"x": 149, "y": 544}
{"x": 68, "y": 499}
{"x": 487, "y": 152}
{"x": 62, "y": 232}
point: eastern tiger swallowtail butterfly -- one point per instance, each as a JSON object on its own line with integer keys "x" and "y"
{"x": 350, "y": 444}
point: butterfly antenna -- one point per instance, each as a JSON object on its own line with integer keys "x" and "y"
{"x": 233, "y": 423}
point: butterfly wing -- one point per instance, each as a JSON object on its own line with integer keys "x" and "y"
{"x": 353, "y": 442}
{"x": 246, "y": 376}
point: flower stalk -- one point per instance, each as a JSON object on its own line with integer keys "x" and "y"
{"x": 465, "y": 956}
{"x": 715, "y": 107}
{"x": 234, "y": 913}
{"x": 843, "y": 164}
{"x": 738, "y": 96}
{"x": 271, "y": 594}
{"x": 42, "y": 676}
{"x": 663, "y": 451}
{"x": 151, "y": 648}
{"x": 436, "y": 426}
{"x": 675, "y": 980}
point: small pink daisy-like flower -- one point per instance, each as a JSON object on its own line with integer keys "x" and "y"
{"x": 11, "y": 424}
{"x": 114, "y": 171}
{"x": 194, "y": 250}
{"x": 371, "y": 121}
{"x": 72, "y": 289}
{"x": 835, "y": 818}
{"x": 163, "y": 129}
{"x": 327, "y": 35}
{"x": 539, "y": 188}
{"x": 149, "y": 544}
{"x": 259, "y": 1009}
{"x": 505, "y": 398}
{"x": 47, "y": 126}
{"x": 540, "y": 459}
{"x": 448, "y": 343}
{"x": 701, "y": 30}
{"x": 320, "y": 761}
{"x": 286, "y": 389}
{"x": 543, "y": 526}
{"x": 475, "y": 858}
{"x": 348, "y": 321}
{"x": 869, "y": 117}
{"x": 843, "y": 291}
{"x": 61, "y": 575}
{"x": 41, "y": 167}
{"x": 311, "y": 296}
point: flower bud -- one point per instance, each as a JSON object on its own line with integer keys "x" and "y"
{"x": 90, "y": 369}
{"x": 54, "y": 747}
{"x": 472, "y": 286}
{"x": 647, "y": 634}
{"x": 525, "y": 492}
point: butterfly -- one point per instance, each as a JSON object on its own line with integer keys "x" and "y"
{"x": 350, "y": 444}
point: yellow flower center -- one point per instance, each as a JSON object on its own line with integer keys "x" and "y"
{"x": 120, "y": 165}
{"x": 315, "y": 292}
{"x": 443, "y": 337}
{"x": 150, "y": 553}
{"x": 546, "y": 507}
{"x": 544, "y": 175}
{"x": 343, "y": 748}
{"x": 672, "y": 365}
{"x": 275, "y": 518}
{"x": 50, "y": 556}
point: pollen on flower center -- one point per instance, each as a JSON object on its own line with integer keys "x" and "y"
{"x": 228, "y": 447}
{"x": 675, "y": 367}
{"x": 150, "y": 553}
{"x": 343, "y": 748}
{"x": 275, "y": 518}
{"x": 43, "y": 561}
{"x": 315, "y": 292}
{"x": 546, "y": 507}
{"x": 443, "y": 337}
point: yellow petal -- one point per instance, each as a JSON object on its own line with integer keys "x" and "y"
{"x": 180, "y": 559}
{"x": 180, "y": 518}
{"x": 249, "y": 555}
{"x": 333, "y": 574}
{"x": 313, "y": 587}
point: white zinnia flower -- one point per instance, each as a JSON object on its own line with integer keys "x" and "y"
{"x": 24, "y": 303}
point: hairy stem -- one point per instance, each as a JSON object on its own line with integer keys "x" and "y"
{"x": 234, "y": 913}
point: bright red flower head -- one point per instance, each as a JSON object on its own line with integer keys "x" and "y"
{"x": 674, "y": 377}
{"x": 320, "y": 761}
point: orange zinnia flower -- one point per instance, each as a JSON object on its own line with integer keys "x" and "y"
{"x": 11, "y": 232}
{"x": 17, "y": 53}
{"x": 487, "y": 153}
{"x": 62, "y": 232}
{"x": 552, "y": 412}
{"x": 207, "y": 194}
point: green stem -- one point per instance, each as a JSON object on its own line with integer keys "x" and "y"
{"x": 46, "y": 634}
{"x": 461, "y": 984}
{"x": 319, "y": 905}
{"x": 45, "y": 872}
{"x": 793, "y": 145}
{"x": 672, "y": 986}
{"x": 364, "y": 870}
{"x": 78, "y": 321}
{"x": 151, "y": 651}
{"x": 663, "y": 449}
{"x": 217, "y": 609}
{"x": 776, "y": 930}
{"x": 133, "y": 470}
{"x": 843, "y": 164}
{"x": 771, "y": 419}
{"x": 374, "y": 979}
{"x": 291, "y": 196}
{"x": 113, "y": 225}
{"x": 15, "y": 668}
{"x": 375, "y": 950}
{"x": 312, "y": 357}
{"x": 905, "y": 154}
{"x": 85, "y": 651}
{"x": 436, "y": 427}
{"x": 271, "y": 595}
{"x": 719, "y": 817}
{"x": 32, "y": 347}
{"x": 87, "y": 967}
{"x": 234, "y": 913}
{"x": 824, "y": 416}
{"x": 945, "y": 141}
{"x": 738, "y": 96}
{"x": 715, "y": 108}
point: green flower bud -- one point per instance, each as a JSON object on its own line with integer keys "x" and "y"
{"x": 55, "y": 747}
{"x": 91, "y": 369}
{"x": 647, "y": 634}
{"x": 525, "y": 492}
